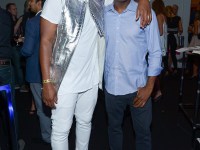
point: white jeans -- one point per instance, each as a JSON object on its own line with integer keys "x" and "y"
{"x": 82, "y": 106}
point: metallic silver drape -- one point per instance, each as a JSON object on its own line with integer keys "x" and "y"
{"x": 68, "y": 34}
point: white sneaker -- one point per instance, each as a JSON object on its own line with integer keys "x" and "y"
{"x": 17, "y": 87}
{"x": 24, "y": 88}
{"x": 21, "y": 144}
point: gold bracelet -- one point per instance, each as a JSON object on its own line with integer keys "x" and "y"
{"x": 47, "y": 81}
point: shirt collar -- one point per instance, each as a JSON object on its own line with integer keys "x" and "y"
{"x": 131, "y": 7}
{"x": 38, "y": 12}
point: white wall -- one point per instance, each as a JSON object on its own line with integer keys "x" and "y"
{"x": 19, "y": 4}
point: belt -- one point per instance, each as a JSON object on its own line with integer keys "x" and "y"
{"x": 170, "y": 32}
{"x": 5, "y": 62}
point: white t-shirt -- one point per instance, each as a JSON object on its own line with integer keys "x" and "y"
{"x": 107, "y": 2}
{"x": 52, "y": 10}
{"x": 83, "y": 71}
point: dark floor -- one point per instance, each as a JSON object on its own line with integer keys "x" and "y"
{"x": 170, "y": 129}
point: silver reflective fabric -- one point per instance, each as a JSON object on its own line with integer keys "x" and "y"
{"x": 68, "y": 34}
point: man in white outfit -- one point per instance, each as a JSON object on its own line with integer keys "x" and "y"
{"x": 72, "y": 63}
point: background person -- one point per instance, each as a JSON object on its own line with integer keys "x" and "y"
{"x": 30, "y": 50}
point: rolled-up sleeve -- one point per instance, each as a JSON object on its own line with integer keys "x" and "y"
{"x": 154, "y": 48}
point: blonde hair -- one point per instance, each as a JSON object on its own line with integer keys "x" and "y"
{"x": 169, "y": 11}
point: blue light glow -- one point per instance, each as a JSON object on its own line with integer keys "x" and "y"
{"x": 7, "y": 89}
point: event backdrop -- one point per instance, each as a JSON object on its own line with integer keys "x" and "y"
{"x": 184, "y": 10}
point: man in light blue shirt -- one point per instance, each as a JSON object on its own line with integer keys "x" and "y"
{"x": 129, "y": 80}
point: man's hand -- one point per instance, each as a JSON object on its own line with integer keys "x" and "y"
{"x": 48, "y": 34}
{"x": 144, "y": 12}
{"x": 20, "y": 39}
{"x": 49, "y": 95}
{"x": 143, "y": 95}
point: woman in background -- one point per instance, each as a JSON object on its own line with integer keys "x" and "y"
{"x": 174, "y": 29}
{"x": 159, "y": 7}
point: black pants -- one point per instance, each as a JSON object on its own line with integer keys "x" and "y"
{"x": 172, "y": 45}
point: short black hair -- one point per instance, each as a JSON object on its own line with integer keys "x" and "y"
{"x": 9, "y": 4}
{"x": 41, "y": 1}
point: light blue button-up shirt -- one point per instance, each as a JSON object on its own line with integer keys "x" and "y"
{"x": 127, "y": 45}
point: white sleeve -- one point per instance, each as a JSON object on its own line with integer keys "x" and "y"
{"x": 108, "y": 2}
{"x": 52, "y": 11}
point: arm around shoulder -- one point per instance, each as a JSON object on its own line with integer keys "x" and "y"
{"x": 144, "y": 12}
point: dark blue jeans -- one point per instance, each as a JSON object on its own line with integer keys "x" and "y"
{"x": 18, "y": 71}
{"x": 141, "y": 119}
{"x": 7, "y": 77}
